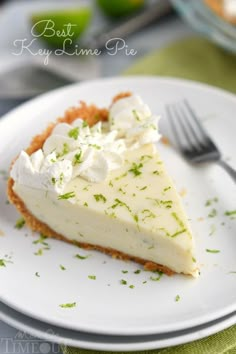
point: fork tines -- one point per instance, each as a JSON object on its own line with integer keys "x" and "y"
{"x": 189, "y": 134}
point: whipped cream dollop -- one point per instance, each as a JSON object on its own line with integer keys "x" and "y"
{"x": 89, "y": 152}
{"x": 230, "y": 7}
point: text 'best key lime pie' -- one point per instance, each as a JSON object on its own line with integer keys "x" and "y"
{"x": 96, "y": 179}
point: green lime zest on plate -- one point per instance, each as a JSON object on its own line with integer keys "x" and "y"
{"x": 68, "y": 305}
{"x": 2, "y": 263}
{"x": 212, "y": 251}
{"x": 81, "y": 257}
{"x": 39, "y": 252}
{"x": 209, "y": 202}
{"x": 138, "y": 271}
{"x": 212, "y": 230}
{"x": 20, "y": 223}
{"x": 158, "y": 277}
{"x": 231, "y": 213}
{"x": 177, "y": 298}
{"x": 212, "y": 213}
{"x": 41, "y": 240}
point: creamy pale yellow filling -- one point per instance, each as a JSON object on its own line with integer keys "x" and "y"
{"x": 136, "y": 210}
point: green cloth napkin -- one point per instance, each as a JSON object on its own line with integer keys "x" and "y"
{"x": 196, "y": 59}
{"x": 221, "y": 343}
{"x": 193, "y": 58}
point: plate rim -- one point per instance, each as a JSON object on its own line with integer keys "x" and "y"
{"x": 154, "y": 343}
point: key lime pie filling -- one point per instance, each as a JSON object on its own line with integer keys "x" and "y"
{"x": 95, "y": 178}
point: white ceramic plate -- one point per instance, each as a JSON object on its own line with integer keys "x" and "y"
{"x": 102, "y": 342}
{"x": 105, "y": 306}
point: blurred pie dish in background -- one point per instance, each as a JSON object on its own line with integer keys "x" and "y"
{"x": 224, "y": 8}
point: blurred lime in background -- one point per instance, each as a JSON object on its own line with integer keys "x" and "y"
{"x": 57, "y": 27}
{"x": 119, "y": 8}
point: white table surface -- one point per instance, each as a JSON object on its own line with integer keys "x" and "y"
{"x": 160, "y": 34}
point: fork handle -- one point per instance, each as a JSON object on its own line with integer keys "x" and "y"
{"x": 231, "y": 171}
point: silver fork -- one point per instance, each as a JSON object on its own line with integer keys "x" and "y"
{"x": 191, "y": 138}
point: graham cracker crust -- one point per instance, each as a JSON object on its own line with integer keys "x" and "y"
{"x": 91, "y": 114}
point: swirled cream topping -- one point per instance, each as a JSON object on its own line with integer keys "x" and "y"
{"x": 89, "y": 152}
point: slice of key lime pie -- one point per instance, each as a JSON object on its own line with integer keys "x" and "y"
{"x": 96, "y": 179}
